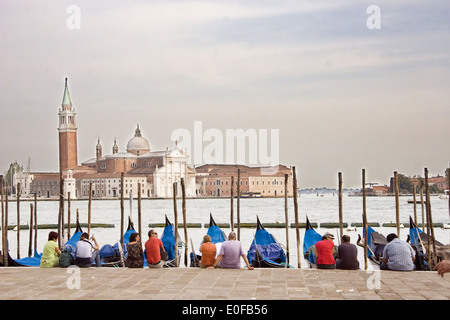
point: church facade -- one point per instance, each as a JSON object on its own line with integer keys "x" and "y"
{"x": 154, "y": 171}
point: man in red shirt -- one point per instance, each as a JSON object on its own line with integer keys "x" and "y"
{"x": 324, "y": 251}
{"x": 153, "y": 248}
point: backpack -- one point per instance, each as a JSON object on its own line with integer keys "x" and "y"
{"x": 65, "y": 259}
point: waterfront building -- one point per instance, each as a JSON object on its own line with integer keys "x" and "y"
{"x": 214, "y": 180}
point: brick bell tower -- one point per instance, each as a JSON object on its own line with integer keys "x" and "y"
{"x": 68, "y": 154}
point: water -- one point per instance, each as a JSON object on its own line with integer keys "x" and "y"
{"x": 269, "y": 210}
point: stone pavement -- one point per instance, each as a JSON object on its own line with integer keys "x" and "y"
{"x": 218, "y": 284}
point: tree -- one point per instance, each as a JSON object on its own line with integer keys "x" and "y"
{"x": 13, "y": 168}
{"x": 405, "y": 185}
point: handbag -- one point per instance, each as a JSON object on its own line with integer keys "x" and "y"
{"x": 65, "y": 259}
{"x": 164, "y": 255}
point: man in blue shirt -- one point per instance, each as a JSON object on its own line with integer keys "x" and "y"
{"x": 398, "y": 255}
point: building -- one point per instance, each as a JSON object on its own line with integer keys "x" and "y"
{"x": 214, "y": 180}
{"x": 381, "y": 190}
{"x": 155, "y": 171}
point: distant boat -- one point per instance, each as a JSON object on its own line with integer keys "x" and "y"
{"x": 417, "y": 201}
{"x": 444, "y": 196}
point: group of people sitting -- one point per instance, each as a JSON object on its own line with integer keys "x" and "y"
{"x": 329, "y": 256}
{"x": 85, "y": 255}
{"x": 87, "y": 252}
{"x": 397, "y": 254}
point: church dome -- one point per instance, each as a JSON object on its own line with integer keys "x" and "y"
{"x": 138, "y": 145}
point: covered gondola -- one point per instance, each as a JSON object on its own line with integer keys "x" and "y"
{"x": 375, "y": 244}
{"x": 309, "y": 240}
{"x": 217, "y": 238}
{"x": 419, "y": 241}
{"x": 265, "y": 251}
{"x": 110, "y": 254}
{"x": 35, "y": 261}
{"x": 168, "y": 241}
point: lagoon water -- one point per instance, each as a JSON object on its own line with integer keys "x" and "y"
{"x": 270, "y": 210}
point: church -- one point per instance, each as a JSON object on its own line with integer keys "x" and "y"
{"x": 155, "y": 171}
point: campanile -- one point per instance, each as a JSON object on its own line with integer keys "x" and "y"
{"x": 68, "y": 154}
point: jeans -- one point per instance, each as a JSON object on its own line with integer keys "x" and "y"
{"x": 87, "y": 262}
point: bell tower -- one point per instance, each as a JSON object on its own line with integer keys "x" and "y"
{"x": 68, "y": 154}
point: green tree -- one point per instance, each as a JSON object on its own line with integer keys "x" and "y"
{"x": 405, "y": 185}
{"x": 13, "y": 168}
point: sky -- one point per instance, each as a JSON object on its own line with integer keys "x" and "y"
{"x": 345, "y": 87}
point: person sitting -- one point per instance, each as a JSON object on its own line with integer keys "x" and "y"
{"x": 324, "y": 251}
{"x": 135, "y": 258}
{"x": 87, "y": 253}
{"x": 230, "y": 254}
{"x": 347, "y": 255}
{"x": 208, "y": 251}
{"x": 153, "y": 248}
{"x": 398, "y": 255}
{"x": 51, "y": 252}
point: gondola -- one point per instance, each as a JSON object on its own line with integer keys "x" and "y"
{"x": 35, "y": 261}
{"x": 309, "y": 240}
{"x": 265, "y": 251}
{"x": 110, "y": 254}
{"x": 375, "y": 245}
{"x": 217, "y": 238}
{"x": 419, "y": 239}
{"x": 168, "y": 240}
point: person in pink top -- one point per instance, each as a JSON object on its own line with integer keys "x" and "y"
{"x": 230, "y": 254}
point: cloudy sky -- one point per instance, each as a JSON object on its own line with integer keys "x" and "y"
{"x": 343, "y": 96}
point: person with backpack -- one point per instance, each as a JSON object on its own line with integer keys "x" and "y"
{"x": 86, "y": 253}
{"x": 51, "y": 252}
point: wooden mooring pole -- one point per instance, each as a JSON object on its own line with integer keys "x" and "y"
{"x": 397, "y": 201}
{"x": 297, "y": 230}
{"x": 239, "y": 204}
{"x": 35, "y": 222}
{"x": 122, "y": 185}
{"x": 68, "y": 215}
{"x": 30, "y": 243}
{"x": 341, "y": 228}
{"x": 183, "y": 193}
{"x": 175, "y": 212}
{"x": 431, "y": 236}
{"x": 366, "y": 228}
{"x": 18, "y": 221}
{"x": 139, "y": 210}
{"x": 232, "y": 204}
{"x": 89, "y": 208}
{"x": 4, "y": 225}
{"x": 286, "y": 216}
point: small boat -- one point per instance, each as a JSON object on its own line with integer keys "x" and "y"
{"x": 110, "y": 255}
{"x": 265, "y": 251}
{"x": 168, "y": 240}
{"x": 417, "y": 201}
{"x": 217, "y": 238}
{"x": 419, "y": 240}
{"x": 375, "y": 244}
{"x": 309, "y": 240}
{"x": 35, "y": 261}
